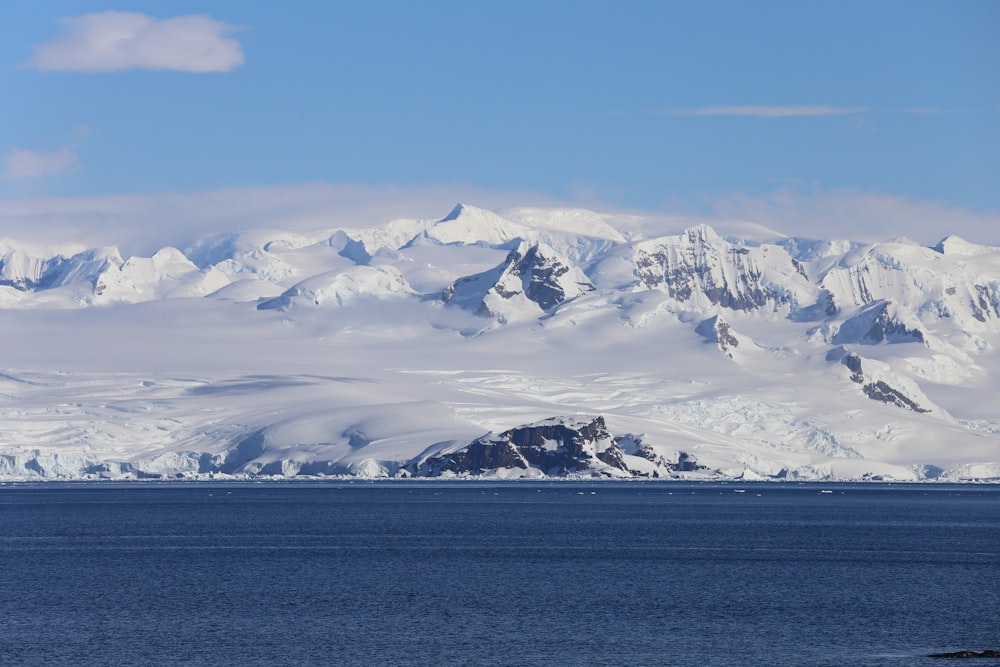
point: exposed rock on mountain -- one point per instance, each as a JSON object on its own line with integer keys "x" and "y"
{"x": 532, "y": 280}
{"x": 875, "y": 385}
{"x": 954, "y": 281}
{"x": 986, "y": 301}
{"x": 881, "y": 322}
{"x": 701, "y": 270}
{"x": 716, "y": 330}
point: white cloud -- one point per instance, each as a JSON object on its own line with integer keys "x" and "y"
{"x": 144, "y": 223}
{"x": 860, "y": 216}
{"x": 22, "y": 164}
{"x": 768, "y": 111}
{"x": 114, "y": 41}
{"x": 924, "y": 111}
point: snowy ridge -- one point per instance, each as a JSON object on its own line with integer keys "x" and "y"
{"x": 167, "y": 274}
{"x": 342, "y": 287}
{"x": 577, "y": 348}
{"x": 468, "y": 225}
{"x": 32, "y": 269}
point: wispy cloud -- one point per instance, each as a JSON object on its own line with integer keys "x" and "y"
{"x": 767, "y": 111}
{"x": 859, "y": 215}
{"x": 143, "y": 223}
{"x": 21, "y": 164}
{"x": 115, "y": 41}
{"x": 24, "y": 164}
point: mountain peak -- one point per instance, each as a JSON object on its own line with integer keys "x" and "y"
{"x": 455, "y": 213}
{"x": 533, "y": 278}
{"x": 955, "y": 245}
{"x": 468, "y": 225}
{"x": 701, "y": 270}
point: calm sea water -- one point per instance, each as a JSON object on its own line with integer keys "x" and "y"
{"x": 510, "y": 574}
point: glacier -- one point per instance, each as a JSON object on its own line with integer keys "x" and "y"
{"x": 523, "y": 343}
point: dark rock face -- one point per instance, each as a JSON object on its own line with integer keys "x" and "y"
{"x": 557, "y": 447}
{"x": 877, "y": 323}
{"x": 535, "y": 271}
{"x": 887, "y": 328}
{"x": 878, "y": 390}
{"x": 853, "y": 363}
{"x": 990, "y": 653}
{"x": 684, "y": 463}
{"x": 716, "y": 330}
{"x": 727, "y": 341}
{"x": 543, "y": 274}
{"x": 700, "y": 261}
{"x": 475, "y": 459}
{"x": 986, "y": 303}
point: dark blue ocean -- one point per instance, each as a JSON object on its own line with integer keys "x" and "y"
{"x": 421, "y": 573}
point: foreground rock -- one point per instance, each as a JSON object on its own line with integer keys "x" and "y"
{"x": 556, "y": 447}
{"x": 991, "y": 653}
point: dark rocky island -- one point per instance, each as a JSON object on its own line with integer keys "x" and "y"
{"x": 990, "y": 653}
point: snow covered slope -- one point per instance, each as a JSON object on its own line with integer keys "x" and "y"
{"x": 523, "y": 343}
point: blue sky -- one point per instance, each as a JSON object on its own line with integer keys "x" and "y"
{"x": 773, "y": 111}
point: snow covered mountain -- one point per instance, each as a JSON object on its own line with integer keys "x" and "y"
{"x": 531, "y": 281}
{"x": 700, "y": 271}
{"x": 522, "y": 343}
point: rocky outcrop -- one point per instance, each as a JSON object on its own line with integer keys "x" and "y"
{"x": 700, "y": 269}
{"x": 555, "y": 447}
{"x": 881, "y": 321}
{"x": 990, "y": 653}
{"x": 716, "y": 330}
{"x": 985, "y": 301}
{"x": 878, "y": 389}
{"x": 533, "y": 279}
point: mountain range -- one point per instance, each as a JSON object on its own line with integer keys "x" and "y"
{"x": 525, "y": 343}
